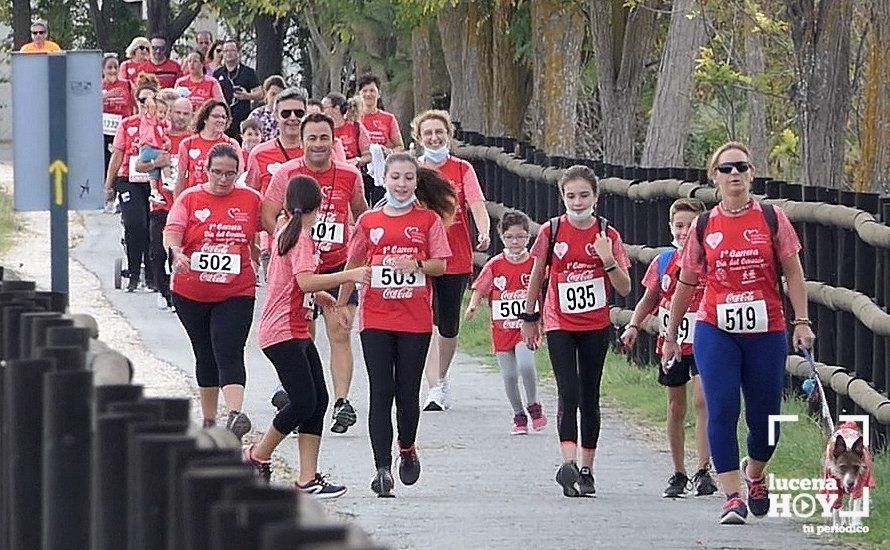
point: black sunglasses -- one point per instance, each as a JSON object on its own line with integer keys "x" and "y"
{"x": 143, "y": 99}
{"x": 141, "y": 47}
{"x": 158, "y": 48}
{"x": 38, "y": 32}
{"x": 726, "y": 167}
{"x": 286, "y": 113}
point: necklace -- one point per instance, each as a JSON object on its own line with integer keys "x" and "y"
{"x": 738, "y": 210}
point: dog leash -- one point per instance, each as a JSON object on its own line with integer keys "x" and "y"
{"x": 814, "y": 376}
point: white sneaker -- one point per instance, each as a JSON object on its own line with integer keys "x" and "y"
{"x": 160, "y": 301}
{"x": 434, "y": 399}
{"x": 447, "y": 399}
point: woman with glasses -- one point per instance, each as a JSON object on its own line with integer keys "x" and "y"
{"x": 137, "y": 55}
{"x": 117, "y": 101}
{"x": 132, "y": 186}
{"x": 265, "y": 114}
{"x": 210, "y": 232}
{"x": 199, "y": 86}
{"x": 210, "y": 124}
{"x": 741, "y": 248}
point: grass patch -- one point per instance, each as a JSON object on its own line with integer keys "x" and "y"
{"x": 8, "y": 225}
{"x": 637, "y": 392}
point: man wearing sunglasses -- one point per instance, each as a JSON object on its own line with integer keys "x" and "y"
{"x": 40, "y": 42}
{"x": 160, "y": 65}
{"x": 240, "y": 86}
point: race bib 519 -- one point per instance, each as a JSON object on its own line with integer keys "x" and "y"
{"x": 743, "y": 317}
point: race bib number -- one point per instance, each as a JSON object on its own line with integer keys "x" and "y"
{"x": 384, "y": 276}
{"x": 686, "y": 330}
{"x": 216, "y": 262}
{"x": 136, "y": 176}
{"x": 110, "y": 122}
{"x": 743, "y": 317}
{"x": 582, "y": 296}
{"x": 309, "y": 300}
{"x": 328, "y": 232}
{"x": 506, "y": 310}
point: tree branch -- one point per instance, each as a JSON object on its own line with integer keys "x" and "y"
{"x": 183, "y": 19}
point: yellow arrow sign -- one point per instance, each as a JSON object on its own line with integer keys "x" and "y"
{"x": 58, "y": 169}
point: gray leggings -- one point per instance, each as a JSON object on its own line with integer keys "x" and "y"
{"x": 516, "y": 363}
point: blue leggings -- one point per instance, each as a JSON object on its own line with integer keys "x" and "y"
{"x": 754, "y": 363}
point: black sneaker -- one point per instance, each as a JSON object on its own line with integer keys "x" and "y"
{"x": 734, "y": 511}
{"x": 409, "y": 465}
{"x": 586, "y": 485}
{"x": 676, "y": 486}
{"x": 320, "y": 488}
{"x": 567, "y": 476}
{"x": 703, "y": 484}
{"x": 280, "y": 399}
{"x": 383, "y": 483}
{"x": 263, "y": 467}
{"x": 344, "y": 416}
{"x": 238, "y": 423}
{"x": 133, "y": 284}
{"x": 758, "y": 494}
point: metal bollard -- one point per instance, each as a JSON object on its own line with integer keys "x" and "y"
{"x": 288, "y": 536}
{"x": 56, "y": 301}
{"x": 202, "y": 487}
{"x": 27, "y": 325}
{"x": 11, "y": 329}
{"x": 67, "y": 436}
{"x": 67, "y": 358}
{"x": 173, "y": 409}
{"x": 23, "y": 286}
{"x": 238, "y": 525}
{"x": 23, "y": 472}
{"x": 38, "y": 330}
{"x": 107, "y": 395}
{"x": 67, "y": 336}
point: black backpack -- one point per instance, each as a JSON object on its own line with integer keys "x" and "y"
{"x": 554, "y": 229}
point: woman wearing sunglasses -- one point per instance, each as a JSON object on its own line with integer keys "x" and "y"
{"x": 199, "y": 86}
{"x": 741, "y": 248}
{"x": 137, "y": 55}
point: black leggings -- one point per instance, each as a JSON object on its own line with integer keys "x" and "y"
{"x": 156, "y": 251}
{"x": 108, "y": 141}
{"x": 133, "y": 198}
{"x": 299, "y": 369}
{"x": 218, "y": 331}
{"x": 448, "y": 293}
{"x": 395, "y": 367}
{"x": 577, "y": 359}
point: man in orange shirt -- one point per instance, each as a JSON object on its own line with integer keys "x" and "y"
{"x": 40, "y": 43}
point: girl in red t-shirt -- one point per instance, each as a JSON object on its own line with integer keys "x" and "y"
{"x": 740, "y": 343}
{"x": 660, "y": 282}
{"x": 294, "y": 286}
{"x": 405, "y": 245}
{"x": 503, "y": 282}
{"x": 586, "y": 261}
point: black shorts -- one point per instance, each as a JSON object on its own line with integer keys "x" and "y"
{"x": 335, "y": 292}
{"x": 448, "y": 294}
{"x": 679, "y": 374}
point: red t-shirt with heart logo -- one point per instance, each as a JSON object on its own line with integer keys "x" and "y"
{"x": 578, "y": 289}
{"x": 264, "y": 161}
{"x": 192, "y": 155}
{"x": 506, "y": 285}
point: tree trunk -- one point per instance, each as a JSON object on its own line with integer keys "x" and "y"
{"x": 161, "y": 22}
{"x": 21, "y": 22}
{"x": 557, "y": 36}
{"x": 321, "y": 84}
{"x": 669, "y": 125}
{"x": 476, "y": 46}
{"x": 874, "y": 172}
{"x": 821, "y": 37}
{"x": 757, "y": 141}
{"x": 270, "y": 32}
{"x": 511, "y": 81}
{"x": 451, "y": 22}
{"x": 622, "y": 39}
{"x": 420, "y": 67}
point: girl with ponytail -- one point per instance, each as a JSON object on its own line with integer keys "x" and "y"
{"x": 293, "y": 288}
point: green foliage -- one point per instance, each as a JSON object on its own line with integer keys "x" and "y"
{"x": 784, "y": 156}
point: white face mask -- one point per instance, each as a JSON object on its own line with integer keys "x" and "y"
{"x": 582, "y": 216}
{"x": 436, "y": 156}
{"x": 676, "y": 244}
{"x": 515, "y": 257}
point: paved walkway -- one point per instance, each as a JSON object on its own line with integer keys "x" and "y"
{"x": 480, "y": 487}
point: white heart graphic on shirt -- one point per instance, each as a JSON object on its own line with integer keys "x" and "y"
{"x": 132, "y": 130}
{"x": 130, "y": 70}
{"x": 500, "y": 282}
{"x": 194, "y": 153}
{"x": 714, "y": 239}
{"x": 202, "y": 214}
{"x": 273, "y": 167}
{"x": 375, "y": 234}
{"x": 560, "y": 249}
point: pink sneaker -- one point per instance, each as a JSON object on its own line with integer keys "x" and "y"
{"x": 520, "y": 424}
{"x": 539, "y": 421}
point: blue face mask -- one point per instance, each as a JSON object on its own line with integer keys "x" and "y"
{"x": 391, "y": 201}
{"x": 436, "y": 156}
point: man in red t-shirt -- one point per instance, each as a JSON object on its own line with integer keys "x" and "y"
{"x": 343, "y": 201}
{"x": 160, "y": 65}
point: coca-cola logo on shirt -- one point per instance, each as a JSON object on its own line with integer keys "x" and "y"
{"x": 520, "y": 294}
{"x": 739, "y": 297}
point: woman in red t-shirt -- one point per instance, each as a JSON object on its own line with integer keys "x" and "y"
{"x": 586, "y": 262}
{"x": 117, "y": 101}
{"x": 294, "y": 286}
{"x": 503, "y": 281}
{"x": 200, "y": 86}
{"x": 433, "y": 130}
{"x": 211, "y": 122}
{"x": 740, "y": 342}
{"x": 137, "y": 55}
{"x": 405, "y": 245}
{"x": 210, "y": 232}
